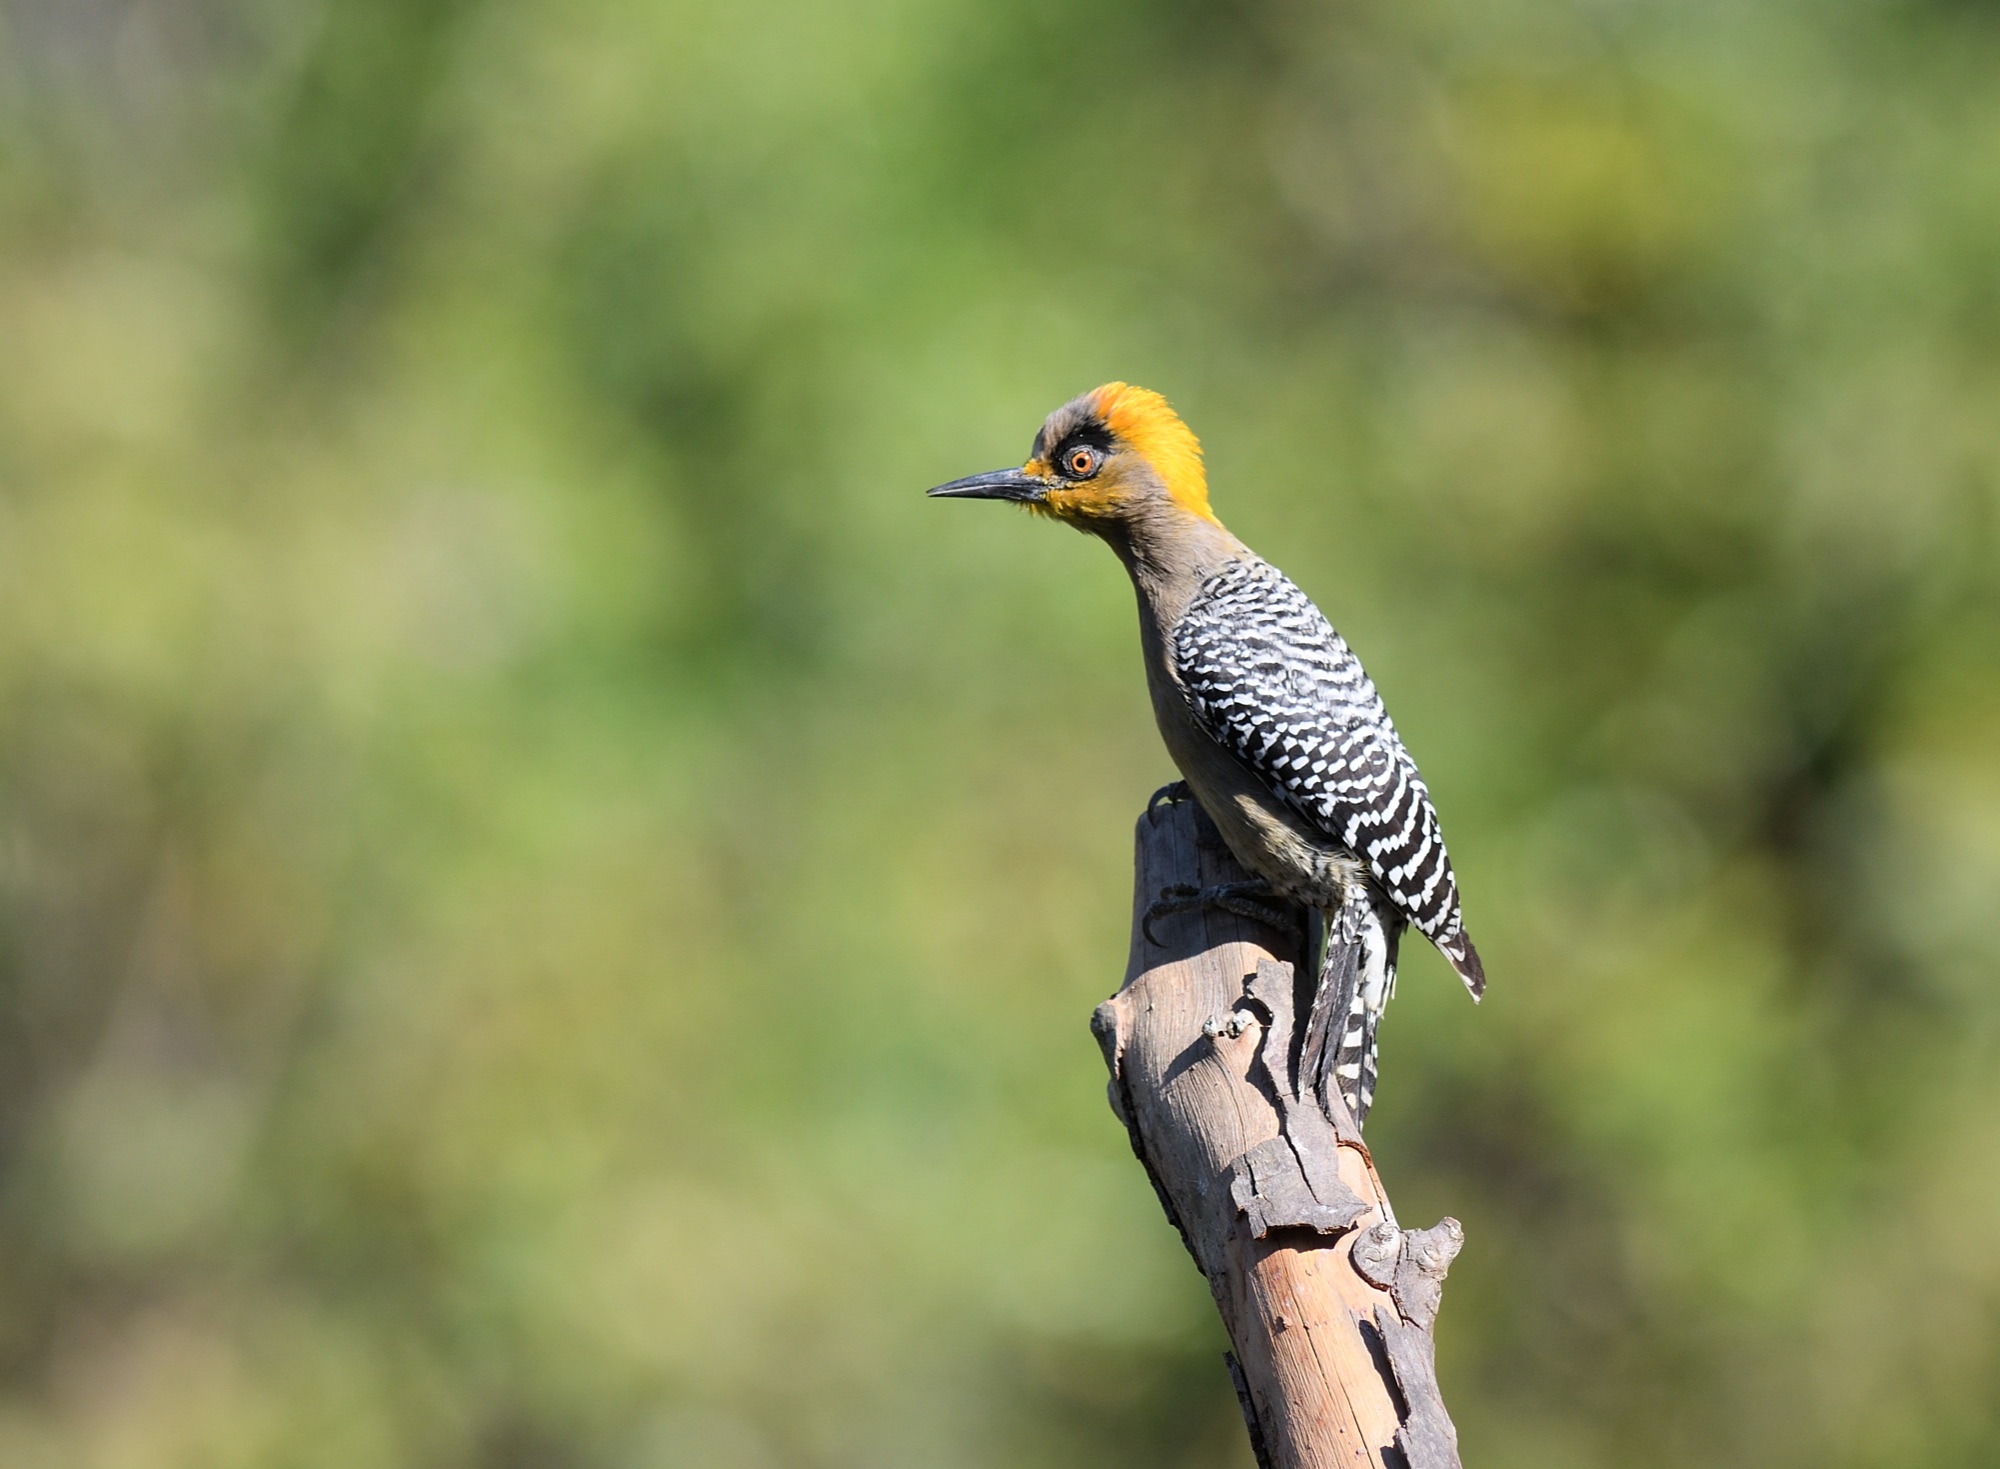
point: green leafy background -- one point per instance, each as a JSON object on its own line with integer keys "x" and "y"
{"x": 549, "y": 902}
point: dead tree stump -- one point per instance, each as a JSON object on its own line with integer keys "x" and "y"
{"x": 1328, "y": 1304}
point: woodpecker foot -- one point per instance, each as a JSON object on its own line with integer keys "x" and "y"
{"x": 1256, "y": 900}
{"x": 1166, "y": 795}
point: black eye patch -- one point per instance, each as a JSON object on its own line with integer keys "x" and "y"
{"x": 1092, "y": 436}
{"x": 1089, "y": 432}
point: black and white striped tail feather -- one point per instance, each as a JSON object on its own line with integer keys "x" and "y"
{"x": 1357, "y": 977}
{"x": 1458, "y": 951}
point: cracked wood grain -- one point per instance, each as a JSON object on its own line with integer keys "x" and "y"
{"x": 1328, "y": 1304}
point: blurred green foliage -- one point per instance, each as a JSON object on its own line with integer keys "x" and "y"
{"x": 549, "y": 902}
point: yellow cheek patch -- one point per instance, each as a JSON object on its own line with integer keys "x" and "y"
{"x": 1092, "y": 497}
{"x": 1143, "y": 420}
{"x": 1047, "y": 505}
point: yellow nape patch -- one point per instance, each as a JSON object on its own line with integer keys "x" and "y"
{"x": 1142, "y": 419}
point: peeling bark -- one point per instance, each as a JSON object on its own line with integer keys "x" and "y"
{"x": 1329, "y": 1305}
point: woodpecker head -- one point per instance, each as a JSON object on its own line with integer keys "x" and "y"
{"x": 1114, "y": 456}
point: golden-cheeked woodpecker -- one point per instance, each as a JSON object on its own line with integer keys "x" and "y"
{"x": 1276, "y": 729}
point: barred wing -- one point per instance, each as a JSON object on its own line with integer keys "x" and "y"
{"x": 1269, "y": 678}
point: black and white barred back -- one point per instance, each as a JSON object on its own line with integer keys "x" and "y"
{"x": 1271, "y": 681}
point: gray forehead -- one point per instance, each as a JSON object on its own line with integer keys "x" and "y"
{"x": 1078, "y": 413}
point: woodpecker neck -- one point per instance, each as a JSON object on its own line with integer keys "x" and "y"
{"x": 1169, "y": 552}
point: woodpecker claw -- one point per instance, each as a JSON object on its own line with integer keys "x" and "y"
{"x": 1240, "y": 898}
{"x": 1271, "y": 916}
{"x": 1176, "y": 897}
{"x": 1167, "y": 795}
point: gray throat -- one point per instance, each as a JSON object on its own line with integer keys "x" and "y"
{"x": 1169, "y": 554}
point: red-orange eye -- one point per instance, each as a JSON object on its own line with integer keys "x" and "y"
{"x": 1082, "y": 462}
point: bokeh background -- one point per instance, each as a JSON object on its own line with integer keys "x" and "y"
{"x": 549, "y": 902}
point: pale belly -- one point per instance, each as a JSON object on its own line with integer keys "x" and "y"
{"x": 1267, "y": 837}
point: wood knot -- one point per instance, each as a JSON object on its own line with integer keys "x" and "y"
{"x": 1231, "y": 1023}
{"x": 1376, "y": 1250}
{"x": 1410, "y": 1264}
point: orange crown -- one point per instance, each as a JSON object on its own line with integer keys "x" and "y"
{"x": 1142, "y": 419}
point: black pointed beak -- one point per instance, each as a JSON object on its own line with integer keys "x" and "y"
{"x": 999, "y": 484}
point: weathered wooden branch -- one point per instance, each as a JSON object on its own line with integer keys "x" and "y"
{"x": 1328, "y": 1305}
